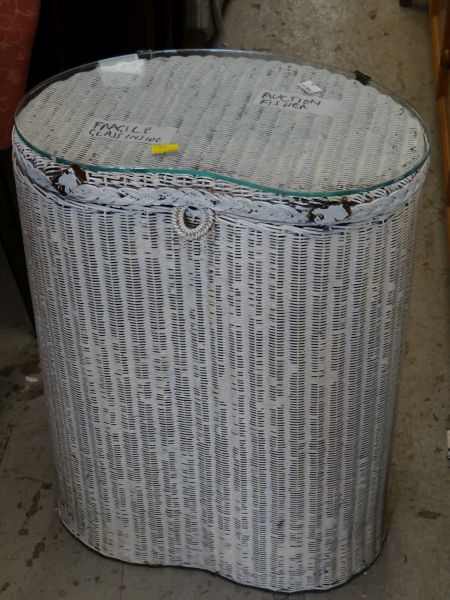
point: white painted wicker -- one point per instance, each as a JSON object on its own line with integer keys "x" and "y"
{"x": 221, "y": 360}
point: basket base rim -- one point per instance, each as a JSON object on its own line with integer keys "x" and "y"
{"x": 238, "y": 581}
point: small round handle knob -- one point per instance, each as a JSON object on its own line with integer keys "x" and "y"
{"x": 192, "y": 233}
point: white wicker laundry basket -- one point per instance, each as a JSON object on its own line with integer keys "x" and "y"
{"x": 221, "y": 321}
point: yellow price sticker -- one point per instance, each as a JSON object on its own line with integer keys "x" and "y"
{"x": 164, "y": 148}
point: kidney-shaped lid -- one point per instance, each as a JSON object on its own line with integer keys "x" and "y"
{"x": 260, "y": 120}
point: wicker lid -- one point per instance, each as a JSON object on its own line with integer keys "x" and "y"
{"x": 257, "y": 119}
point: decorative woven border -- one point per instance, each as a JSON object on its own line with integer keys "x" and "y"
{"x": 138, "y": 190}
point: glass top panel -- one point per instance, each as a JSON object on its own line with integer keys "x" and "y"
{"x": 260, "y": 120}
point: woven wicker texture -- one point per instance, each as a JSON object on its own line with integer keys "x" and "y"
{"x": 220, "y": 362}
{"x": 210, "y": 101}
{"x": 225, "y": 403}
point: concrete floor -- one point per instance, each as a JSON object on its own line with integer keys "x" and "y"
{"x": 39, "y": 559}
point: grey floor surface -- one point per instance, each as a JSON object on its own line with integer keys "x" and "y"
{"x": 39, "y": 559}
